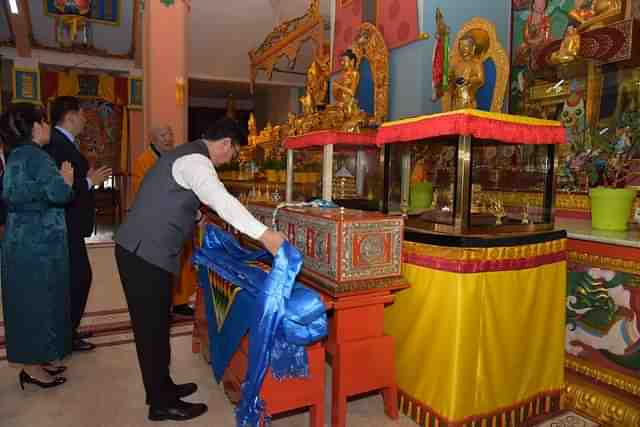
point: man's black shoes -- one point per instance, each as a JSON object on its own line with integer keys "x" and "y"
{"x": 178, "y": 411}
{"x": 79, "y": 344}
{"x": 184, "y": 390}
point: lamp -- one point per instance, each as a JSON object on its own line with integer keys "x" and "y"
{"x": 13, "y": 6}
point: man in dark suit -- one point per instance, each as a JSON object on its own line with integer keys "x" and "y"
{"x": 69, "y": 121}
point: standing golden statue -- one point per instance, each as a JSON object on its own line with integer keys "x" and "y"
{"x": 466, "y": 75}
{"x": 317, "y": 85}
{"x": 253, "y": 131}
{"x": 569, "y": 47}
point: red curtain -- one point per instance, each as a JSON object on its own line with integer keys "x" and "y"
{"x": 348, "y": 19}
{"x": 398, "y": 22}
{"x": 49, "y": 85}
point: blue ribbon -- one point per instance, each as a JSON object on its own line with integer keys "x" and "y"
{"x": 281, "y": 315}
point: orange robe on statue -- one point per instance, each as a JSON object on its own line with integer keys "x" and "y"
{"x": 185, "y": 287}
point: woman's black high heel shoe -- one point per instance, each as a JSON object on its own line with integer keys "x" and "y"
{"x": 55, "y": 371}
{"x": 26, "y": 378}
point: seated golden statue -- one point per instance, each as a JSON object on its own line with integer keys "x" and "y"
{"x": 629, "y": 94}
{"x": 590, "y": 12}
{"x": 569, "y": 47}
{"x": 466, "y": 75}
{"x": 344, "y": 91}
{"x": 317, "y": 85}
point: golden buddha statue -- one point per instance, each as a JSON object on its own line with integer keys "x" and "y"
{"x": 569, "y": 47}
{"x": 266, "y": 132}
{"x": 344, "y": 90}
{"x": 253, "y": 131}
{"x": 466, "y": 75}
{"x": 629, "y": 94}
{"x": 589, "y": 12}
{"x": 317, "y": 85}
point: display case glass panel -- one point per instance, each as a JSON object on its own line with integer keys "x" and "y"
{"x": 466, "y": 185}
{"x": 357, "y": 177}
{"x": 508, "y": 183}
{"x": 432, "y": 170}
{"x": 307, "y": 174}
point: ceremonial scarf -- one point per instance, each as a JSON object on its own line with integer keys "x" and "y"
{"x": 281, "y": 316}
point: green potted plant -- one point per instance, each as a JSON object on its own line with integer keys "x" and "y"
{"x": 606, "y": 156}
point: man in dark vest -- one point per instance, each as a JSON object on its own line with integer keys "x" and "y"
{"x": 148, "y": 246}
{"x": 68, "y": 118}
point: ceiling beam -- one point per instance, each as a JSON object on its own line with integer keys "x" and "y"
{"x": 21, "y": 25}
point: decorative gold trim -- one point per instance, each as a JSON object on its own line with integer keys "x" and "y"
{"x": 600, "y": 405}
{"x": 604, "y": 375}
{"x": 37, "y": 85}
{"x": 567, "y": 201}
{"x": 286, "y": 39}
{"x": 607, "y": 263}
{"x": 494, "y": 51}
{"x": 549, "y": 92}
{"x": 480, "y": 254}
{"x": 369, "y": 44}
{"x": 572, "y": 201}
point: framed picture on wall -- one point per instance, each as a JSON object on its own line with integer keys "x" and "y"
{"x": 26, "y": 85}
{"x": 135, "y": 92}
{"x": 103, "y": 11}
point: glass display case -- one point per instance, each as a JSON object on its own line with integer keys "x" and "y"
{"x": 348, "y": 171}
{"x": 474, "y": 185}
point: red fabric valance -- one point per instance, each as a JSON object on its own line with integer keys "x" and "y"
{"x": 478, "y": 124}
{"x": 330, "y": 137}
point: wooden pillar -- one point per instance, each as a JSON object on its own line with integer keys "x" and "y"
{"x": 21, "y": 25}
{"x": 165, "y": 67}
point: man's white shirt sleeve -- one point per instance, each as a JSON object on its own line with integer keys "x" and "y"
{"x": 195, "y": 172}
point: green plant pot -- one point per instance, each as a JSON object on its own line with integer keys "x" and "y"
{"x": 611, "y": 208}
{"x": 421, "y": 195}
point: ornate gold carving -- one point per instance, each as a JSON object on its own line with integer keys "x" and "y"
{"x": 500, "y": 253}
{"x": 344, "y": 114}
{"x": 604, "y": 375}
{"x": 608, "y": 263}
{"x": 286, "y": 39}
{"x": 317, "y": 84}
{"x": 572, "y": 201}
{"x": 487, "y": 46}
{"x": 370, "y": 44}
{"x": 551, "y": 91}
{"x": 601, "y": 405}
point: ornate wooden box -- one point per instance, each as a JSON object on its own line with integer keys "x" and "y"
{"x": 345, "y": 250}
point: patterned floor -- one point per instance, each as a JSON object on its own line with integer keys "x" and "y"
{"x": 110, "y": 327}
